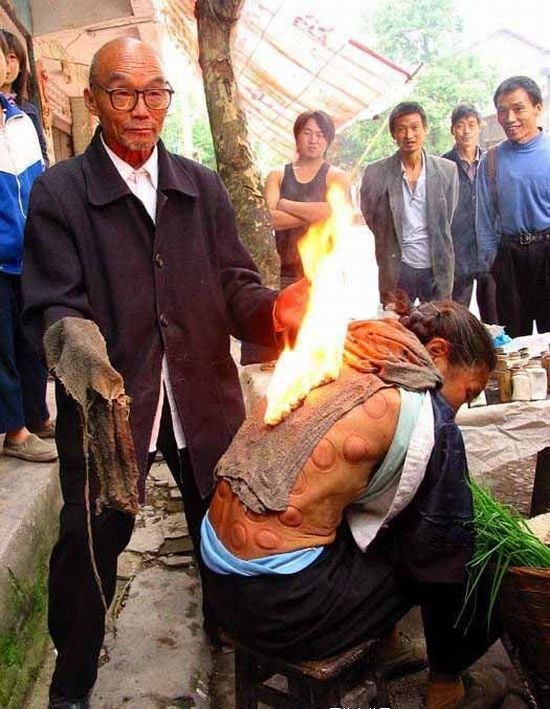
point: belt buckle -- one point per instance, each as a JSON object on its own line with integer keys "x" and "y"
{"x": 525, "y": 239}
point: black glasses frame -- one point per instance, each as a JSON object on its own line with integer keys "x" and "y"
{"x": 137, "y": 93}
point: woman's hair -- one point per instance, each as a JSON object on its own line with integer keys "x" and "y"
{"x": 20, "y": 86}
{"x": 469, "y": 340}
{"x": 4, "y": 44}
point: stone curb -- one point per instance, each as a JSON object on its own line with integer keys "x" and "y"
{"x": 30, "y": 499}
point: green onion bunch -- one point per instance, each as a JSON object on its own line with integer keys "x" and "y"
{"x": 502, "y": 540}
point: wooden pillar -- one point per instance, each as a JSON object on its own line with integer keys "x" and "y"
{"x": 216, "y": 22}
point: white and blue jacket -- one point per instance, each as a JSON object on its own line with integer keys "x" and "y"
{"x": 20, "y": 163}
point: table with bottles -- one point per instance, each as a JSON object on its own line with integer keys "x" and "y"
{"x": 501, "y": 433}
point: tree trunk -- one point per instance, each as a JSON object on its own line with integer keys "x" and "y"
{"x": 216, "y": 21}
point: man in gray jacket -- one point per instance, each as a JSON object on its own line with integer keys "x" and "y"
{"x": 408, "y": 201}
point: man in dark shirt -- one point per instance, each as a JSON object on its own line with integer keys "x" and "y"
{"x": 144, "y": 244}
{"x": 296, "y": 194}
{"x": 466, "y": 153}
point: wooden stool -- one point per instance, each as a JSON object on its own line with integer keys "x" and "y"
{"x": 315, "y": 684}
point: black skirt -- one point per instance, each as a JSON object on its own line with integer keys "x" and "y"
{"x": 345, "y": 597}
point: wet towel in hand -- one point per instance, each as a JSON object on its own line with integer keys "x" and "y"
{"x": 77, "y": 354}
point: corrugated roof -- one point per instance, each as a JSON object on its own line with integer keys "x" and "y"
{"x": 287, "y": 62}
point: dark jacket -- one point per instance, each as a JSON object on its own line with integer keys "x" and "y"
{"x": 463, "y": 227}
{"x": 180, "y": 287}
{"x": 382, "y": 205}
{"x": 434, "y": 535}
{"x": 32, "y": 112}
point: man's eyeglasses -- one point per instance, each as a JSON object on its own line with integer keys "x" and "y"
{"x": 126, "y": 99}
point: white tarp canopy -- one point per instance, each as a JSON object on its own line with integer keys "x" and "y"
{"x": 287, "y": 61}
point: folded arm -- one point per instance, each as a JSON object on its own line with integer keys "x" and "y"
{"x": 287, "y": 213}
{"x": 317, "y": 211}
{"x": 280, "y": 218}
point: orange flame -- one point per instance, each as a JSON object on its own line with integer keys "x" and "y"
{"x": 334, "y": 257}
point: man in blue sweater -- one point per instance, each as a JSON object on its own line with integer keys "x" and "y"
{"x": 513, "y": 210}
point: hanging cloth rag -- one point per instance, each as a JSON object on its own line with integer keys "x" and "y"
{"x": 77, "y": 354}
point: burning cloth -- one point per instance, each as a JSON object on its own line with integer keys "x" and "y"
{"x": 262, "y": 463}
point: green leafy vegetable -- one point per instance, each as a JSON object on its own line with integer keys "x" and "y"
{"x": 502, "y": 540}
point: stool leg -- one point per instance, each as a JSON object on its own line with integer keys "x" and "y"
{"x": 246, "y": 680}
{"x": 324, "y": 695}
{"x": 382, "y": 698}
{"x": 299, "y": 693}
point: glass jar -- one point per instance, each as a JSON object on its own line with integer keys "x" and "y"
{"x": 492, "y": 391}
{"x": 538, "y": 380}
{"x": 521, "y": 385}
{"x": 505, "y": 386}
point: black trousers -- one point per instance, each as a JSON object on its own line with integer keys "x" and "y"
{"x": 522, "y": 277}
{"x": 417, "y": 283}
{"x": 462, "y": 290}
{"x": 23, "y": 376}
{"x": 76, "y": 615}
{"x": 486, "y": 298}
{"x": 485, "y": 295}
{"x": 344, "y": 598}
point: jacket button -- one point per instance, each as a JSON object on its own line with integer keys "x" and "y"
{"x": 159, "y": 261}
{"x": 163, "y": 320}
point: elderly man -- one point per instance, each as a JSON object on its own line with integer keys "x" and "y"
{"x": 144, "y": 244}
{"x": 513, "y": 217}
{"x": 408, "y": 200}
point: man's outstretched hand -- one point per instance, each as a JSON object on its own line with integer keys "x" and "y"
{"x": 290, "y": 308}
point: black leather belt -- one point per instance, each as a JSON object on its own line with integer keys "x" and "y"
{"x": 528, "y": 238}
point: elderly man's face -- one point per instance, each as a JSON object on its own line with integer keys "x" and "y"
{"x": 131, "y": 66}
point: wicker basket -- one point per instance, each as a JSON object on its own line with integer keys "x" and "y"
{"x": 525, "y": 611}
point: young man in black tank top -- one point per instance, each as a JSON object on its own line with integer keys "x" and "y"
{"x": 296, "y": 193}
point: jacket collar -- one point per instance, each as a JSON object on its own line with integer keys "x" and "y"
{"x": 10, "y": 108}
{"x": 105, "y": 185}
{"x": 453, "y": 153}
